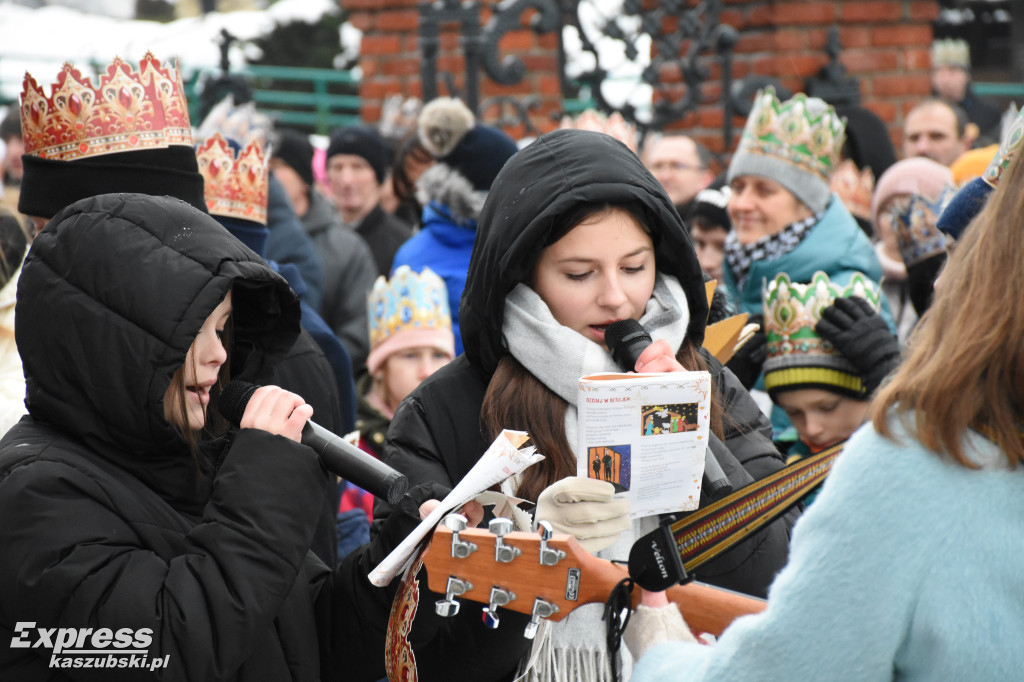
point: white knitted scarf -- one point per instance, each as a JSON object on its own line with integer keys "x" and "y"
{"x": 574, "y": 648}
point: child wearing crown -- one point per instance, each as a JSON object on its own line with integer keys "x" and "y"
{"x": 411, "y": 337}
{"x": 827, "y": 351}
{"x": 784, "y": 215}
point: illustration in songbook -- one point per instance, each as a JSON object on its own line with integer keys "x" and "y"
{"x": 656, "y": 420}
{"x": 610, "y": 463}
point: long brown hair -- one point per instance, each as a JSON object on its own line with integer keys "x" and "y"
{"x": 215, "y": 425}
{"x": 965, "y": 365}
{"x": 515, "y": 399}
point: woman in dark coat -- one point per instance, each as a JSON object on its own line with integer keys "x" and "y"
{"x": 124, "y": 511}
{"x": 523, "y": 356}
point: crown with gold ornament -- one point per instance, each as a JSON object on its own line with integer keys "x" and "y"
{"x": 129, "y": 110}
{"x": 792, "y": 132}
{"x": 797, "y": 356}
{"x": 914, "y": 219}
{"x": 854, "y": 187}
{"x": 1011, "y": 143}
{"x": 951, "y": 52}
{"x": 235, "y": 184}
{"x": 409, "y": 310}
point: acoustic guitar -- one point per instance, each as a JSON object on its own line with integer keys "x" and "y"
{"x": 548, "y": 575}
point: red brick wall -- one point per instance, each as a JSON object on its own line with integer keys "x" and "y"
{"x": 885, "y": 44}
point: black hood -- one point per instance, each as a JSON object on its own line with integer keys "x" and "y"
{"x": 110, "y": 298}
{"x": 538, "y": 185}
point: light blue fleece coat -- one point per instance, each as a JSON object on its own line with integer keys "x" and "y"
{"x": 907, "y": 567}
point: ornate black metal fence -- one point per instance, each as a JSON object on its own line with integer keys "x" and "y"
{"x": 681, "y": 37}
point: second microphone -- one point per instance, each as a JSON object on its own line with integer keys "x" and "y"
{"x": 337, "y": 455}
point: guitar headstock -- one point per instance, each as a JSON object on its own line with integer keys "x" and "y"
{"x": 543, "y": 574}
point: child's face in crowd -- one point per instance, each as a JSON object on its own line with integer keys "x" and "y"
{"x": 406, "y": 369}
{"x": 760, "y": 207}
{"x": 199, "y": 373}
{"x": 600, "y": 272}
{"x": 822, "y": 418}
{"x": 709, "y": 243}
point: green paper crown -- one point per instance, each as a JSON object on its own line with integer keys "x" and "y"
{"x": 791, "y": 131}
{"x": 951, "y": 52}
{"x": 796, "y": 355}
{"x": 1008, "y": 148}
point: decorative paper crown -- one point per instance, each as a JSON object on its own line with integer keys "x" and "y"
{"x": 241, "y": 123}
{"x": 914, "y": 218}
{"x": 1008, "y": 148}
{"x": 855, "y": 188}
{"x": 790, "y": 131}
{"x": 406, "y": 311}
{"x": 797, "y": 357}
{"x": 595, "y": 121}
{"x": 128, "y": 111}
{"x": 951, "y": 52}
{"x": 234, "y": 186}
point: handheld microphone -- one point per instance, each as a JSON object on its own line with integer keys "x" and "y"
{"x": 338, "y": 456}
{"x": 626, "y": 340}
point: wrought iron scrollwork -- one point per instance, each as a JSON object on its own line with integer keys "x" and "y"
{"x": 506, "y": 17}
{"x": 512, "y": 111}
{"x": 681, "y": 36}
{"x": 432, "y": 16}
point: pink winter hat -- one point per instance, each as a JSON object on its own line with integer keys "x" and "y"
{"x": 917, "y": 175}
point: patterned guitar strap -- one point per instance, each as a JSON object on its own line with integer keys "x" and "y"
{"x": 399, "y": 659}
{"x": 709, "y": 531}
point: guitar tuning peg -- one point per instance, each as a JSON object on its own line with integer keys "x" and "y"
{"x": 499, "y": 597}
{"x": 541, "y": 609}
{"x": 449, "y": 606}
{"x": 502, "y": 552}
{"x": 460, "y": 548}
{"x": 548, "y": 556}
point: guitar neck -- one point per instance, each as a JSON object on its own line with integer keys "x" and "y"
{"x": 705, "y": 608}
{"x": 577, "y": 579}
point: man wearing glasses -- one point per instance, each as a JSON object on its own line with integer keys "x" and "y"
{"x": 680, "y": 164}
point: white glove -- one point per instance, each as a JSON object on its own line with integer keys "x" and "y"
{"x": 585, "y": 509}
{"x": 650, "y": 626}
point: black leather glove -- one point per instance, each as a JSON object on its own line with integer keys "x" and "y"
{"x": 863, "y": 337}
{"x": 921, "y": 281}
{"x": 746, "y": 363}
{"x": 402, "y": 520}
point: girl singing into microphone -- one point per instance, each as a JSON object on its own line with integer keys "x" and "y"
{"x": 127, "y": 507}
{"x": 575, "y": 234}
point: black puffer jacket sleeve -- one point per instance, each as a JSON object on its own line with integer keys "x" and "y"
{"x": 746, "y": 455}
{"x": 208, "y": 590}
{"x": 435, "y": 436}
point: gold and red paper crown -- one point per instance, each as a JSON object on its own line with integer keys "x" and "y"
{"x": 235, "y": 185}
{"x": 128, "y": 111}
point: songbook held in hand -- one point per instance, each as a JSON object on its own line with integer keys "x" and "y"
{"x": 646, "y": 434}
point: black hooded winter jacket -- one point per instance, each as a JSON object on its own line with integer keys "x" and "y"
{"x": 436, "y": 435}
{"x": 109, "y": 520}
